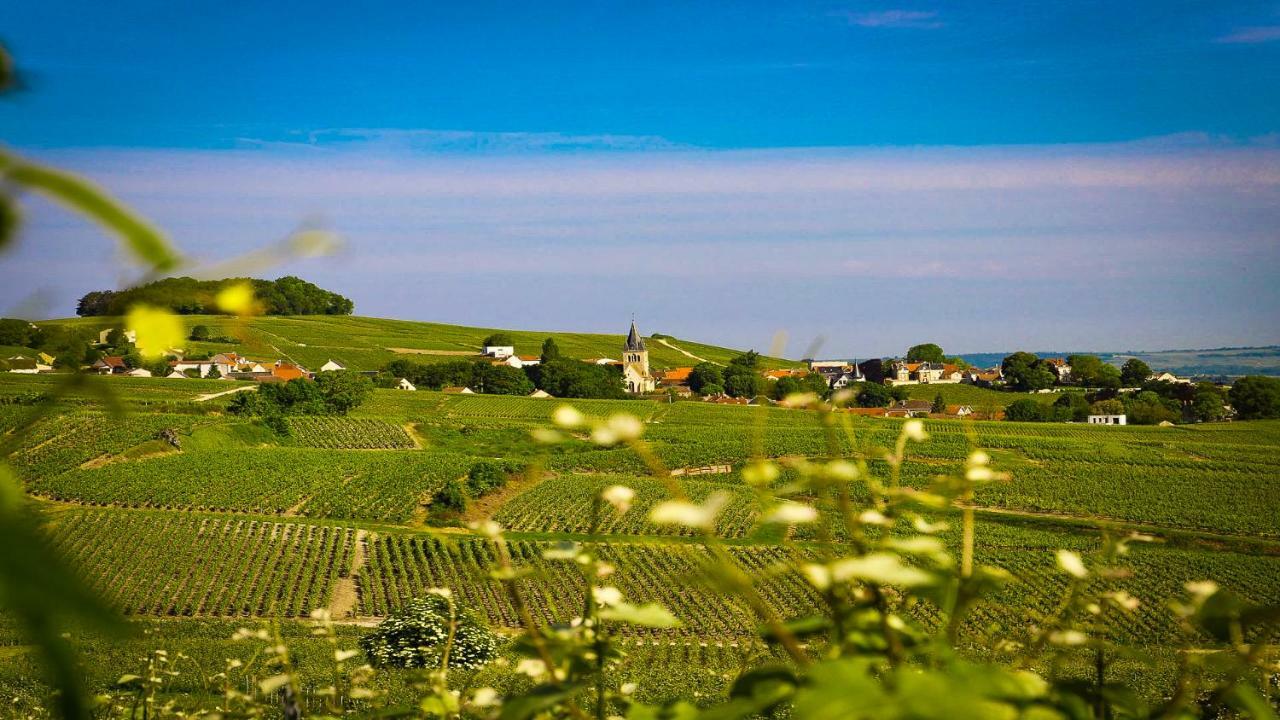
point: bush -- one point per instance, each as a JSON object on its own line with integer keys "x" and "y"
{"x": 416, "y": 636}
{"x": 452, "y": 495}
{"x": 1025, "y": 410}
{"x": 486, "y": 476}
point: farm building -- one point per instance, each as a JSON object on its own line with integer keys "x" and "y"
{"x": 540, "y": 394}
{"x": 1108, "y": 420}
{"x": 110, "y": 365}
{"x": 331, "y": 365}
{"x": 404, "y": 384}
{"x": 458, "y": 391}
{"x": 138, "y": 372}
{"x": 499, "y": 352}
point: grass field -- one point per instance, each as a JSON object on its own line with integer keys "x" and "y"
{"x": 368, "y": 343}
{"x": 237, "y": 524}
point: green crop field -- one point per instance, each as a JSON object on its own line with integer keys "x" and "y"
{"x": 368, "y": 343}
{"x": 231, "y": 524}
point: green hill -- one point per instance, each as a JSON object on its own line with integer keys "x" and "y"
{"x": 364, "y": 343}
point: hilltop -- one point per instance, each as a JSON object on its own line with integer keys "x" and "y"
{"x": 364, "y": 343}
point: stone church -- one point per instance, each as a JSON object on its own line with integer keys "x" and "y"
{"x": 635, "y": 364}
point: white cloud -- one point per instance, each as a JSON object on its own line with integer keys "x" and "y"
{"x": 914, "y": 19}
{"x": 1252, "y": 35}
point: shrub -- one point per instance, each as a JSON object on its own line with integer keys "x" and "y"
{"x": 452, "y": 495}
{"x": 1025, "y": 410}
{"x": 416, "y": 637}
{"x": 485, "y": 476}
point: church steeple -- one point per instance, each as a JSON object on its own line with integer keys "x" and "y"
{"x": 634, "y": 342}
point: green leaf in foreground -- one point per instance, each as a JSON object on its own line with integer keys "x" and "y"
{"x": 145, "y": 241}
{"x": 647, "y": 615}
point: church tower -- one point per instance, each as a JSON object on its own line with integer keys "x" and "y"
{"x": 635, "y": 363}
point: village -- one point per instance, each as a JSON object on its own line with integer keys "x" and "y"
{"x": 877, "y": 387}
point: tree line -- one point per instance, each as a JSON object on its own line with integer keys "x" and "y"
{"x": 288, "y": 295}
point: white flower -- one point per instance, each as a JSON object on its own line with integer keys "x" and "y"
{"x": 1202, "y": 589}
{"x": 546, "y": 436}
{"x": 625, "y": 426}
{"x": 531, "y": 667}
{"x": 604, "y": 570}
{"x": 683, "y": 512}
{"x": 567, "y": 416}
{"x": 485, "y": 697}
{"x": 978, "y": 458}
{"x": 818, "y": 575}
{"x": 628, "y": 688}
{"x": 619, "y": 496}
{"x": 488, "y": 528}
{"x": 1072, "y": 564}
{"x": 443, "y": 592}
{"x": 606, "y": 596}
{"x": 1124, "y": 600}
{"x": 791, "y": 513}
{"x": 604, "y": 436}
{"x": 842, "y": 470}
{"x": 879, "y": 569}
{"x": 760, "y": 473}
{"x": 914, "y": 430}
{"x": 1068, "y": 637}
{"x": 873, "y": 517}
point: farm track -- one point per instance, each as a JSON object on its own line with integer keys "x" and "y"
{"x": 684, "y": 352}
{"x": 209, "y": 396}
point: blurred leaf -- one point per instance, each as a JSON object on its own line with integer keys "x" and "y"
{"x": 1250, "y": 702}
{"x": 79, "y": 194}
{"x": 39, "y": 588}
{"x": 537, "y": 700}
{"x": 157, "y": 330}
{"x": 9, "y": 219}
{"x": 647, "y": 615}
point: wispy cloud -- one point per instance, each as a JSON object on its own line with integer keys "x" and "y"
{"x": 373, "y": 140}
{"x": 1252, "y": 35}
{"x": 915, "y": 19}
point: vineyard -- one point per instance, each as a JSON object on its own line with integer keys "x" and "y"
{"x": 176, "y": 510}
{"x": 348, "y": 433}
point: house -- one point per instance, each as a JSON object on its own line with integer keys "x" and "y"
{"x": 635, "y": 364}
{"x": 458, "y": 391}
{"x": 138, "y": 372}
{"x": 519, "y": 361}
{"x": 202, "y": 366}
{"x": 286, "y": 371}
{"x": 331, "y": 365}
{"x": 723, "y": 399}
{"x": 23, "y": 365}
{"x": 129, "y": 336}
{"x": 1061, "y": 369}
{"x": 845, "y": 379}
{"x": 175, "y": 375}
{"x": 828, "y": 366}
{"x": 540, "y": 394}
{"x": 1169, "y": 378}
{"x": 913, "y": 373}
{"x": 674, "y": 377}
{"x": 601, "y": 361}
{"x": 910, "y": 408}
{"x": 500, "y": 352}
{"x": 784, "y": 373}
{"x": 404, "y": 384}
{"x": 110, "y": 365}
{"x": 1107, "y": 420}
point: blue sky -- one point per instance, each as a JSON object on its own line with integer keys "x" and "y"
{"x": 1047, "y": 175}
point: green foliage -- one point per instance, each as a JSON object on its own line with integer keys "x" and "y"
{"x": 1025, "y": 372}
{"x": 927, "y": 352}
{"x": 498, "y": 339}
{"x": 871, "y": 395}
{"x": 331, "y": 393}
{"x": 812, "y": 383}
{"x": 1111, "y": 406}
{"x": 343, "y": 390}
{"x": 1209, "y": 403}
{"x": 423, "y": 631}
{"x": 187, "y": 296}
{"x": 1090, "y": 371}
{"x": 200, "y": 333}
{"x": 1025, "y": 410}
{"x": 573, "y": 379}
{"x": 550, "y": 350}
{"x": 1255, "y": 397}
{"x": 500, "y": 380}
{"x": 16, "y": 332}
{"x": 1075, "y": 406}
{"x": 451, "y": 495}
{"x": 487, "y": 476}
{"x": 1134, "y": 372}
{"x": 939, "y": 404}
{"x": 706, "y": 374}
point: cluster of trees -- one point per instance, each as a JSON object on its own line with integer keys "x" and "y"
{"x": 932, "y": 353}
{"x": 740, "y": 378}
{"x": 331, "y": 393}
{"x": 187, "y": 296}
{"x": 1155, "y": 403}
{"x": 70, "y": 347}
{"x": 558, "y": 375}
{"x": 1256, "y": 397}
{"x": 1026, "y": 372}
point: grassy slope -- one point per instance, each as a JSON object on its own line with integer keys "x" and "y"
{"x": 362, "y": 343}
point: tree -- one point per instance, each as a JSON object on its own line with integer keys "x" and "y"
{"x": 749, "y": 359}
{"x": 1134, "y": 372}
{"x": 704, "y": 374}
{"x": 15, "y": 332}
{"x": 501, "y": 380}
{"x": 416, "y": 635}
{"x": 1255, "y": 397}
{"x": 939, "y": 404}
{"x": 1209, "y": 403}
{"x": 498, "y": 339}
{"x": 1025, "y": 410}
{"x": 1090, "y": 371}
{"x": 550, "y": 350}
{"x": 741, "y": 381}
{"x": 928, "y": 352}
{"x": 712, "y": 389}
{"x": 115, "y": 337}
{"x": 1026, "y": 372}
{"x": 1148, "y": 408}
{"x": 200, "y": 333}
{"x": 213, "y": 374}
{"x": 1112, "y": 406}
{"x": 284, "y": 296}
{"x": 343, "y": 390}
{"x": 871, "y": 395}
{"x": 1074, "y": 406}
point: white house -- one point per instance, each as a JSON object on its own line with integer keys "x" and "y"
{"x": 1169, "y": 378}
{"x": 519, "y": 361}
{"x": 139, "y": 372}
{"x": 540, "y": 394}
{"x": 129, "y": 336}
{"x": 1108, "y": 420}
{"x": 175, "y": 375}
{"x": 601, "y": 361}
{"x": 499, "y": 352}
{"x": 404, "y": 384}
{"x": 331, "y": 365}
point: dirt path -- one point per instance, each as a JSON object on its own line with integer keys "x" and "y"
{"x": 487, "y": 505}
{"x": 345, "y": 595}
{"x": 210, "y": 396}
{"x": 684, "y": 352}
{"x": 417, "y": 351}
